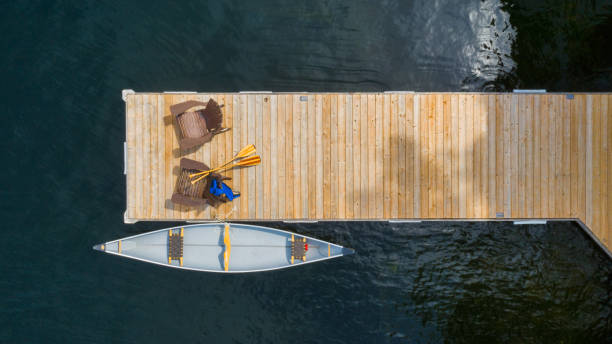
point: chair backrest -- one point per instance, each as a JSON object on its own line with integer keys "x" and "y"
{"x": 213, "y": 115}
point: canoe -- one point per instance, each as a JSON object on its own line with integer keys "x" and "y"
{"x": 224, "y": 247}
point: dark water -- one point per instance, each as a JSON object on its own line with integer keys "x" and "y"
{"x": 63, "y": 65}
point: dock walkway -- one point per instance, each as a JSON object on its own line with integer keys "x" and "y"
{"x": 386, "y": 156}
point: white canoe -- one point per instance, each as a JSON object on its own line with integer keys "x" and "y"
{"x": 224, "y": 247}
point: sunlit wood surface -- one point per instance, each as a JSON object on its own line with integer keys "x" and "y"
{"x": 386, "y": 156}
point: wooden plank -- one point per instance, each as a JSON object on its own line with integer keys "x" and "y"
{"x": 167, "y": 184}
{"x": 424, "y": 128}
{"x": 230, "y": 102}
{"x": 356, "y": 156}
{"x": 605, "y": 170}
{"x": 289, "y": 153}
{"x": 469, "y": 155}
{"x": 431, "y": 160}
{"x": 462, "y": 157}
{"x": 314, "y": 191}
{"x": 350, "y": 169}
{"x": 566, "y": 157}
{"x": 168, "y": 147}
{"x": 542, "y": 114}
{"x": 282, "y": 160}
{"x": 258, "y": 178}
{"x": 387, "y": 156}
{"x": 581, "y": 104}
{"x": 494, "y": 136}
{"x": 297, "y": 161}
{"x": 454, "y": 119}
{"x": 145, "y": 176}
{"x": 131, "y": 155}
{"x": 371, "y": 170}
{"x": 154, "y": 149}
{"x": 378, "y": 161}
{"x": 522, "y": 143}
{"x": 320, "y": 105}
{"x": 341, "y": 165}
{"x": 395, "y": 116}
{"x": 439, "y": 159}
{"x": 138, "y": 152}
{"x": 417, "y": 156}
{"x": 607, "y": 111}
{"x": 508, "y": 161}
{"x": 476, "y": 146}
{"x": 303, "y": 147}
{"x": 399, "y": 147}
{"x": 333, "y": 120}
{"x": 251, "y": 177}
{"x": 529, "y": 172}
{"x": 181, "y": 212}
{"x": 247, "y": 174}
{"x": 573, "y": 194}
{"x": 484, "y": 156}
{"x": 151, "y": 130}
{"x": 406, "y": 159}
{"x": 326, "y": 155}
{"x": 536, "y": 158}
{"x": 364, "y": 157}
{"x": 596, "y": 183}
{"x": 243, "y": 139}
{"x": 446, "y": 151}
{"x": 552, "y": 166}
{"x": 273, "y": 170}
{"x": 266, "y": 165}
{"x": 515, "y": 163}
{"x": 161, "y": 162}
{"x": 559, "y": 157}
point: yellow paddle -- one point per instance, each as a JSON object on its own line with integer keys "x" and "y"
{"x": 250, "y": 161}
{"x": 244, "y": 152}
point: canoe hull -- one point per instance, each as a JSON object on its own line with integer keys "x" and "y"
{"x": 253, "y": 248}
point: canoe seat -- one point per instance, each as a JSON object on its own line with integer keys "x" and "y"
{"x": 298, "y": 249}
{"x": 175, "y": 247}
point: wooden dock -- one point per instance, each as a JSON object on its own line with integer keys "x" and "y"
{"x": 383, "y": 156}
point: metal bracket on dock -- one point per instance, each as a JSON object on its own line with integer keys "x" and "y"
{"x": 530, "y": 222}
{"x": 127, "y": 220}
{"x": 125, "y": 93}
{"x": 529, "y": 91}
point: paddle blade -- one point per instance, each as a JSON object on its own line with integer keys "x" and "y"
{"x": 246, "y": 151}
{"x": 250, "y": 161}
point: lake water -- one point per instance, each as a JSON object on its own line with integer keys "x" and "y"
{"x": 62, "y": 189}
